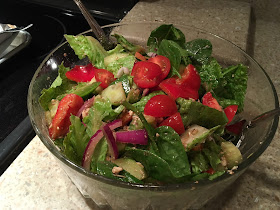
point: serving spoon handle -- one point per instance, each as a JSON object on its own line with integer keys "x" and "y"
{"x": 95, "y": 27}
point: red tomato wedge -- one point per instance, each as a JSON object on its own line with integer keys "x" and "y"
{"x": 164, "y": 64}
{"x": 81, "y": 73}
{"x": 104, "y": 76}
{"x": 230, "y": 112}
{"x": 175, "y": 121}
{"x": 70, "y": 104}
{"x": 174, "y": 90}
{"x": 146, "y": 74}
{"x": 160, "y": 106}
{"x": 190, "y": 78}
{"x": 209, "y": 100}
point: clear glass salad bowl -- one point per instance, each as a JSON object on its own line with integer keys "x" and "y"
{"x": 260, "y": 97}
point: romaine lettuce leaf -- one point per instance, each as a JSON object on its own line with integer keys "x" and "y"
{"x": 76, "y": 140}
{"x": 100, "y": 109}
{"x": 60, "y": 85}
{"x": 88, "y": 46}
{"x": 127, "y": 61}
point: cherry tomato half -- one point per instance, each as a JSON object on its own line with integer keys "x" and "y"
{"x": 174, "y": 90}
{"x": 70, "y": 104}
{"x": 190, "y": 78}
{"x": 160, "y": 106}
{"x": 209, "y": 100}
{"x": 81, "y": 73}
{"x": 146, "y": 74}
{"x": 164, "y": 64}
{"x": 104, "y": 76}
{"x": 175, "y": 121}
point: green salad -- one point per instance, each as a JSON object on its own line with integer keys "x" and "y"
{"x": 156, "y": 115}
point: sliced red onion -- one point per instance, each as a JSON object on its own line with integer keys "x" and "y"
{"x": 86, "y": 105}
{"x": 90, "y": 149}
{"x": 115, "y": 124}
{"x": 113, "y": 149}
{"x": 133, "y": 137}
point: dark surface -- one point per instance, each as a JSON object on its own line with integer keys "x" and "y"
{"x": 51, "y": 19}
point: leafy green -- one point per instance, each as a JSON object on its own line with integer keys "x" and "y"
{"x": 172, "y": 151}
{"x": 60, "y": 85}
{"x": 88, "y": 46}
{"x": 155, "y": 166}
{"x": 127, "y": 62}
{"x": 132, "y": 48}
{"x": 104, "y": 168}
{"x": 199, "y": 49}
{"x": 83, "y": 89}
{"x": 99, "y": 153}
{"x": 118, "y": 49}
{"x": 100, "y": 109}
{"x": 193, "y": 112}
{"x": 76, "y": 140}
{"x": 198, "y": 162}
{"x": 213, "y": 152}
{"x": 233, "y": 88}
{"x": 210, "y": 74}
{"x": 165, "y": 32}
{"x": 172, "y": 51}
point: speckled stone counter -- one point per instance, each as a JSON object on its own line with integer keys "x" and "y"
{"x": 35, "y": 180}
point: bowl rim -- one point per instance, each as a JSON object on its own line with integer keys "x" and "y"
{"x": 167, "y": 187}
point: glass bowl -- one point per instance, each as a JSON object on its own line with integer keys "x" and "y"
{"x": 261, "y": 96}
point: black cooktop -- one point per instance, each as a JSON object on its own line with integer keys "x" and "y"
{"x": 51, "y": 19}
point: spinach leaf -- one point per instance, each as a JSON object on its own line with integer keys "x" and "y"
{"x": 155, "y": 166}
{"x": 172, "y": 51}
{"x": 104, "y": 168}
{"x": 150, "y": 130}
{"x": 172, "y": 151}
{"x": 213, "y": 152}
{"x": 198, "y": 162}
{"x": 193, "y": 112}
{"x": 76, "y": 140}
{"x": 199, "y": 49}
{"x": 167, "y": 32}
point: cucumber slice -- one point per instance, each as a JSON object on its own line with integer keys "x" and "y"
{"x": 115, "y": 93}
{"x": 232, "y": 154}
{"x": 136, "y": 169}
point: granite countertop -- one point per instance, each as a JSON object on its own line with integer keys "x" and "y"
{"x": 36, "y": 181}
